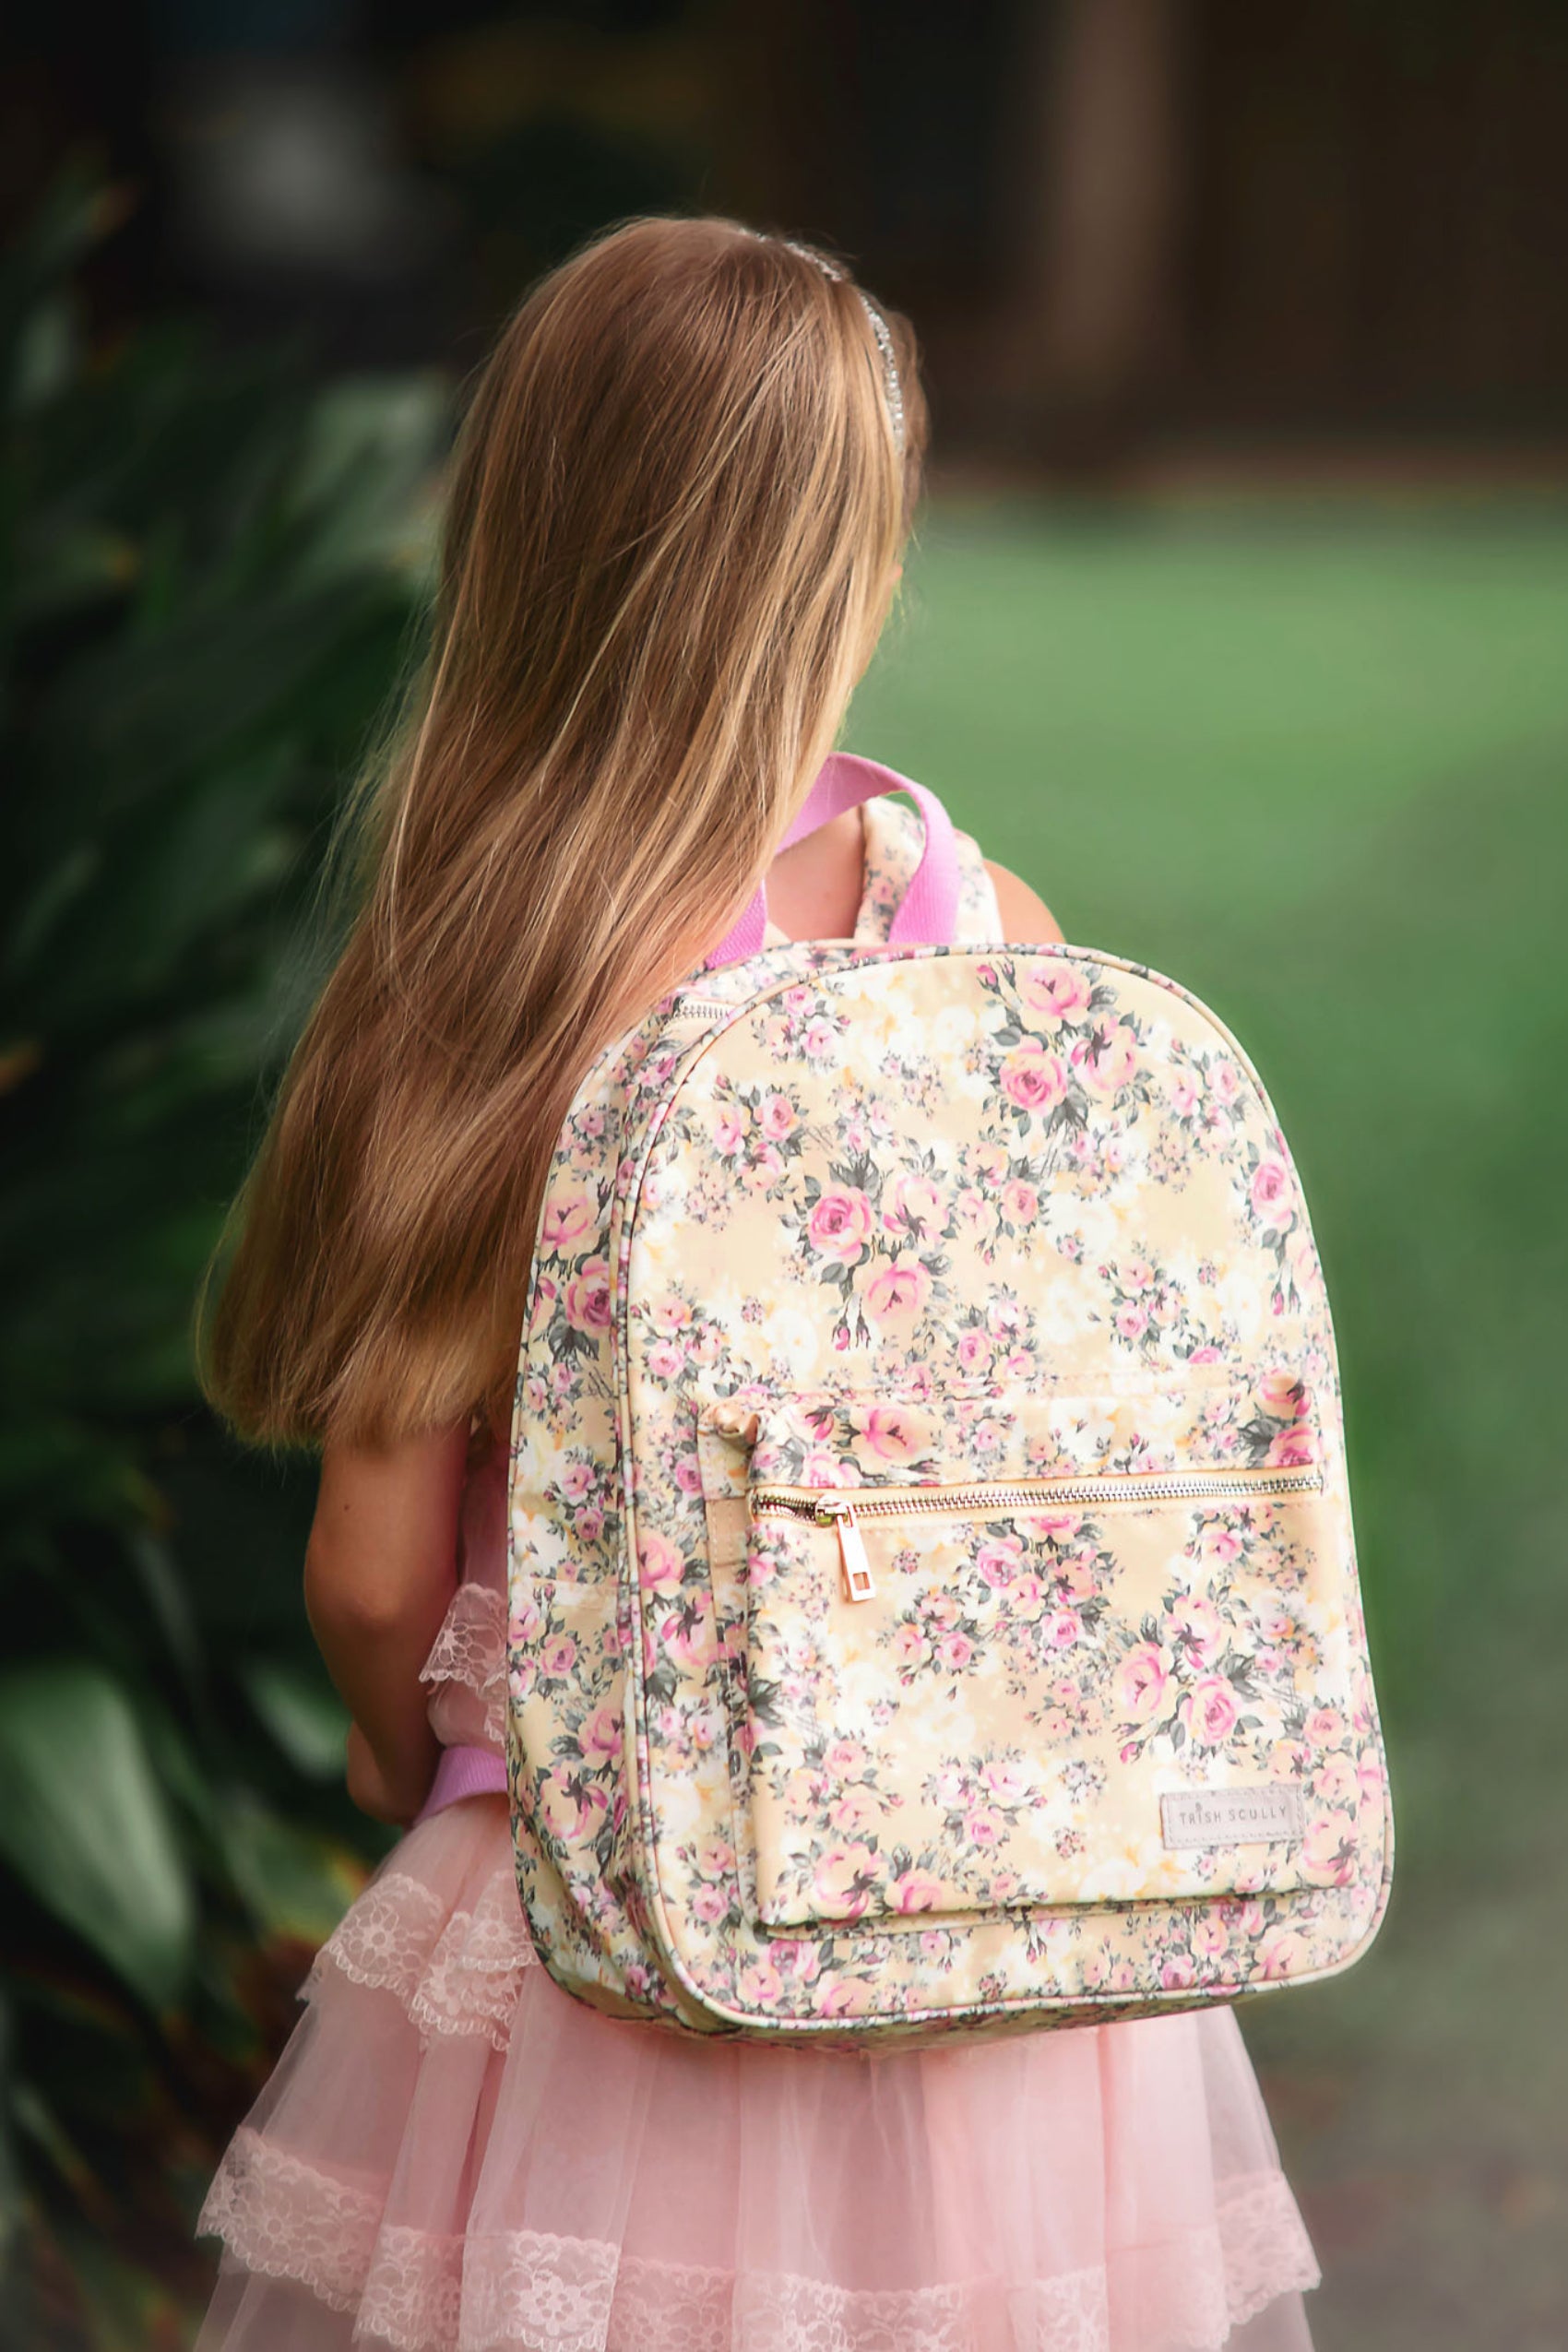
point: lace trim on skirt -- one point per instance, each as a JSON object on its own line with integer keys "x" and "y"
{"x": 453, "y": 1972}
{"x": 531, "y": 2291}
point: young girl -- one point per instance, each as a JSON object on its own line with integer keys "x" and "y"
{"x": 676, "y": 526}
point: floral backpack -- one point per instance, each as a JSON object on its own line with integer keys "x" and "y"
{"x": 934, "y": 1601}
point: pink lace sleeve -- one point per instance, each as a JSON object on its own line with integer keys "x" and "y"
{"x": 467, "y": 1665}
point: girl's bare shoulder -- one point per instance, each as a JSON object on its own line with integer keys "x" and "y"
{"x": 1025, "y": 915}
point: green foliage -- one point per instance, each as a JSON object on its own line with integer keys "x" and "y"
{"x": 210, "y": 577}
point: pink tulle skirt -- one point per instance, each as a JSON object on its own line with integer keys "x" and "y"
{"x": 454, "y": 2154}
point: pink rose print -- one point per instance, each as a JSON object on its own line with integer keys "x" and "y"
{"x": 693, "y": 1646}
{"x": 1293, "y": 1448}
{"x": 796, "y": 1958}
{"x": 1283, "y": 1396}
{"x": 1107, "y": 1059}
{"x": 970, "y": 1209}
{"x": 1058, "y": 990}
{"x": 1328, "y": 1850}
{"x": 839, "y": 1226}
{"x": 778, "y": 1117}
{"x": 890, "y": 1432}
{"x": 729, "y": 1131}
{"x": 1196, "y": 1626}
{"x": 1209, "y": 1712}
{"x": 762, "y": 1987}
{"x": 1032, "y": 1078}
{"x": 1062, "y": 1525}
{"x": 1075, "y": 1579}
{"x": 1282, "y": 1952}
{"x": 842, "y": 1879}
{"x": 998, "y": 1561}
{"x": 565, "y": 1221}
{"x": 913, "y": 1891}
{"x": 845, "y": 1996}
{"x": 900, "y": 1288}
{"x": 1140, "y": 1683}
{"x": 1336, "y": 1782}
{"x": 855, "y": 1812}
{"x": 1271, "y": 1193}
{"x": 1020, "y": 1203}
{"x": 913, "y": 1203}
{"x": 766, "y": 1168}
{"x": 588, "y": 1298}
{"x": 600, "y": 1735}
{"x": 660, "y": 1565}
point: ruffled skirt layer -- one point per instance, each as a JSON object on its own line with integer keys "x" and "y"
{"x": 455, "y": 2155}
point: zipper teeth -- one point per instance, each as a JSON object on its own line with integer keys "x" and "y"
{"x": 699, "y": 1009}
{"x": 808, "y": 1503}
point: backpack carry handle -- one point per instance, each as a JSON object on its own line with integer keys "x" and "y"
{"x": 928, "y": 911}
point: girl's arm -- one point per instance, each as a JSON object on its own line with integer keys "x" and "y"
{"x": 380, "y": 1566}
{"x": 1025, "y": 916}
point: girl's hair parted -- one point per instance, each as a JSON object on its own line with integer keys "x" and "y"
{"x": 675, "y": 520}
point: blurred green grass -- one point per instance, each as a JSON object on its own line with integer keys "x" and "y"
{"x": 1312, "y": 761}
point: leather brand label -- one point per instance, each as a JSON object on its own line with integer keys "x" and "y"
{"x": 1262, "y": 1813}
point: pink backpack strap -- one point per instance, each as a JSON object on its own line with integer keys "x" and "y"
{"x": 926, "y": 914}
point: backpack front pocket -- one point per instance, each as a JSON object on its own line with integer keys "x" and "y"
{"x": 1086, "y": 1688}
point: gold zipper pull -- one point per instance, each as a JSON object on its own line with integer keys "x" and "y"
{"x": 837, "y": 1510}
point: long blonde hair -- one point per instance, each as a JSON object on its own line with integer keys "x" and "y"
{"x": 675, "y": 515}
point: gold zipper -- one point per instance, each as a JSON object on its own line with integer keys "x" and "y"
{"x": 844, "y": 1509}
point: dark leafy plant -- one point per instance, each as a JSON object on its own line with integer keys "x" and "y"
{"x": 210, "y": 575}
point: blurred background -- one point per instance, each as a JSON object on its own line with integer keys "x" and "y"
{"x": 1238, "y": 624}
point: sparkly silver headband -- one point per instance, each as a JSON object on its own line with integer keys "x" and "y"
{"x": 879, "y": 327}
